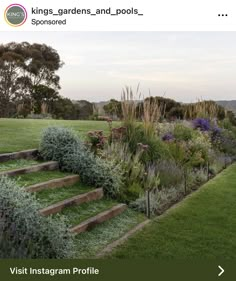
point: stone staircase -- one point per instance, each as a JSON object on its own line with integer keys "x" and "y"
{"x": 85, "y": 210}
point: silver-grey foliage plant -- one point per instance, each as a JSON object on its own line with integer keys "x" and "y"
{"x": 62, "y": 145}
{"x": 24, "y": 233}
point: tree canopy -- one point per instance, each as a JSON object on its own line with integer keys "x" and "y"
{"x": 24, "y": 68}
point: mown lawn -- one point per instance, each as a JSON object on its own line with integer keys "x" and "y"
{"x": 20, "y": 134}
{"x": 201, "y": 227}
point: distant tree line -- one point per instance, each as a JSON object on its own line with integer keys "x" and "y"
{"x": 172, "y": 110}
{"x": 29, "y": 85}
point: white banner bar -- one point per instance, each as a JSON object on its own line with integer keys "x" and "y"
{"x": 122, "y": 15}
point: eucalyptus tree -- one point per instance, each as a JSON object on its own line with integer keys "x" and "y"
{"x": 24, "y": 68}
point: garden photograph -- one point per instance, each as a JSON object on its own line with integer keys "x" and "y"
{"x": 118, "y": 145}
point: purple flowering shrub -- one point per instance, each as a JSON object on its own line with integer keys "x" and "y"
{"x": 202, "y": 124}
{"x": 168, "y": 137}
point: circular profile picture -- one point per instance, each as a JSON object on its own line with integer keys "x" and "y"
{"x": 15, "y": 15}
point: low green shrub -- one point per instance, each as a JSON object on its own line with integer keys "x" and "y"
{"x": 160, "y": 200}
{"x": 157, "y": 149}
{"x": 178, "y": 152}
{"x": 24, "y": 233}
{"x": 136, "y": 176}
{"x": 62, "y": 145}
{"x": 129, "y": 167}
{"x": 135, "y": 135}
{"x": 170, "y": 173}
{"x": 183, "y": 133}
{"x": 193, "y": 153}
{"x": 195, "y": 178}
{"x": 227, "y": 143}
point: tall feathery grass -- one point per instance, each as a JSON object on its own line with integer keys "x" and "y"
{"x": 135, "y": 109}
{"x": 202, "y": 109}
{"x": 129, "y": 104}
{"x": 152, "y": 112}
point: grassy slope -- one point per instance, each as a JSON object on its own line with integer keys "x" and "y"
{"x": 17, "y": 164}
{"x": 38, "y": 177}
{"x": 78, "y": 213}
{"x": 51, "y": 196}
{"x": 19, "y": 134}
{"x": 203, "y": 226}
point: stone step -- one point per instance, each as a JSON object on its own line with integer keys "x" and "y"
{"x": 76, "y": 200}
{"x": 47, "y": 166}
{"x": 25, "y": 154}
{"x": 55, "y": 183}
{"x": 98, "y": 219}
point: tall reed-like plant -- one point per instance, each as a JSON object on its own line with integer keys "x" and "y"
{"x": 129, "y": 104}
{"x": 152, "y": 113}
{"x": 203, "y": 109}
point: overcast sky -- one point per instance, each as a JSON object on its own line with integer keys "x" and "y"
{"x": 185, "y": 66}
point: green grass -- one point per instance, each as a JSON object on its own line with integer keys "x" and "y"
{"x": 201, "y": 227}
{"x": 79, "y": 213}
{"x": 17, "y": 164}
{"x": 89, "y": 243}
{"x": 20, "y": 134}
{"x": 50, "y": 196}
{"x": 38, "y": 177}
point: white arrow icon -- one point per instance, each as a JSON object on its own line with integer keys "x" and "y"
{"x": 221, "y": 270}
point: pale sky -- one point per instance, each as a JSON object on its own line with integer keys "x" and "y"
{"x": 185, "y": 66}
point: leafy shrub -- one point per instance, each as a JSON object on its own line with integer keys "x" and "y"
{"x": 215, "y": 135}
{"x": 24, "y": 233}
{"x": 226, "y": 124}
{"x": 160, "y": 200}
{"x": 136, "y": 176}
{"x": 151, "y": 180}
{"x": 56, "y": 142}
{"x": 196, "y": 177}
{"x": 62, "y": 145}
{"x": 178, "y": 152}
{"x": 170, "y": 173}
{"x": 129, "y": 166}
{"x": 227, "y": 143}
{"x": 96, "y": 140}
{"x": 183, "y": 133}
{"x": 165, "y": 128}
{"x": 157, "y": 149}
{"x": 93, "y": 170}
{"x": 194, "y": 152}
{"x": 199, "y": 149}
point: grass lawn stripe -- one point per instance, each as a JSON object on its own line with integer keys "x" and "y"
{"x": 201, "y": 227}
{"x": 22, "y": 134}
